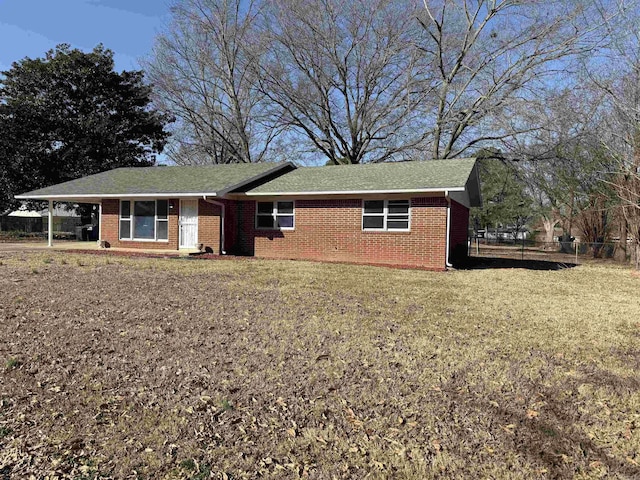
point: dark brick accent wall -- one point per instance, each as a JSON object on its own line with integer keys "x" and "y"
{"x": 458, "y": 233}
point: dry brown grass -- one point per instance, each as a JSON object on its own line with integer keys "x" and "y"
{"x": 148, "y": 368}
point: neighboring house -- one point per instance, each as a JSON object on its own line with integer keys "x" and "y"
{"x": 35, "y": 221}
{"x": 409, "y": 213}
{"x": 506, "y": 234}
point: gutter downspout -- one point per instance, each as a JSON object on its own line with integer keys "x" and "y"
{"x": 222, "y": 215}
{"x": 447, "y": 243}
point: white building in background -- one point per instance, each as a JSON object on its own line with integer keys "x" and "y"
{"x": 35, "y": 221}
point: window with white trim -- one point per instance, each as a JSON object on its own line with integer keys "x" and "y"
{"x": 144, "y": 220}
{"x": 275, "y": 215}
{"x": 392, "y": 215}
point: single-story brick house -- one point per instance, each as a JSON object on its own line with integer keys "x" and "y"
{"x": 406, "y": 213}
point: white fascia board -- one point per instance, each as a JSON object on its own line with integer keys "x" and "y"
{"x": 355, "y": 192}
{"x": 119, "y": 195}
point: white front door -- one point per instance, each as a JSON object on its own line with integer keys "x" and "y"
{"x": 188, "y": 223}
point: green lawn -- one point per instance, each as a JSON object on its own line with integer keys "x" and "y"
{"x": 150, "y": 368}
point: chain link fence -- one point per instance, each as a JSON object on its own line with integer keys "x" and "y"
{"x": 569, "y": 252}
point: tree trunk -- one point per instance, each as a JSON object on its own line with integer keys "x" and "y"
{"x": 549, "y": 228}
{"x": 621, "y": 249}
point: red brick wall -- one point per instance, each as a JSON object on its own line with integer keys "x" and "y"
{"x": 324, "y": 230}
{"x": 459, "y": 232}
{"x": 109, "y": 229}
{"x": 209, "y": 226}
{"x": 332, "y": 230}
{"x": 231, "y": 226}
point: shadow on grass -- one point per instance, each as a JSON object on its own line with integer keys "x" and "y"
{"x": 557, "y": 438}
{"x": 483, "y": 263}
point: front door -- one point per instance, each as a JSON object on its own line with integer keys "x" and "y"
{"x": 188, "y": 223}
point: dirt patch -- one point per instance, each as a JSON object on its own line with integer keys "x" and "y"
{"x": 149, "y": 368}
{"x": 124, "y": 253}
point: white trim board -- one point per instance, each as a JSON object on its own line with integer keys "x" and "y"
{"x": 159, "y": 196}
{"x": 352, "y": 192}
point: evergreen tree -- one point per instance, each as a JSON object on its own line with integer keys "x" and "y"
{"x": 70, "y": 114}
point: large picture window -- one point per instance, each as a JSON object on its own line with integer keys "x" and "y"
{"x": 385, "y": 215}
{"x": 144, "y": 220}
{"x": 275, "y": 215}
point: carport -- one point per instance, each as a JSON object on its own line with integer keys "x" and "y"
{"x": 63, "y": 199}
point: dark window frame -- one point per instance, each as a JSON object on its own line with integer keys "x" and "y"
{"x": 275, "y": 214}
{"x": 386, "y": 216}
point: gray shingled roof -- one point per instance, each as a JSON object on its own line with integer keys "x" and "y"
{"x": 210, "y": 180}
{"x": 217, "y": 180}
{"x": 379, "y": 177}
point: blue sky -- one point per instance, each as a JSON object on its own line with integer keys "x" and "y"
{"x": 28, "y": 28}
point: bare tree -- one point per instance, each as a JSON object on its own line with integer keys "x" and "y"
{"x": 622, "y": 139}
{"x": 594, "y": 223}
{"x": 493, "y": 59}
{"x": 347, "y": 76}
{"x": 361, "y": 80}
{"x": 620, "y": 134}
{"x": 563, "y": 161}
{"x": 201, "y": 73}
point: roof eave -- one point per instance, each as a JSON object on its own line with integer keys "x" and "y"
{"x": 99, "y": 196}
{"x": 353, "y": 192}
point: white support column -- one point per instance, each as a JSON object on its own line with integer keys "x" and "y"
{"x": 100, "y": 221}
{"x": 50, "y": 223}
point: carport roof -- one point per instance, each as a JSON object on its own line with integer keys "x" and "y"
{"x": 163, "y": 181}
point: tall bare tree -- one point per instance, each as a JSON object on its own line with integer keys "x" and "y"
{"x": 202, "y": 75}
{"x": 622, "y": 140}
{"x": 493, "y": 59}
{"x": 361, "y": 81}
{"x": 347, "y": 76}
{"x": 563, "y": 161}
{"x": 616, "y": 72}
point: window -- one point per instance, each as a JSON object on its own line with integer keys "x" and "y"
{"x": 162, "y": 220}
{"x": 385, "y": 215}
{"x": 275, "y": 215}
{"x": 125, "y": 219}
{"x": 144, "y": 215}
{"x": 144, "y": 220}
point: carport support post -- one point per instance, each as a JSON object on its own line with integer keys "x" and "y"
{"x": 50, "y": 215}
